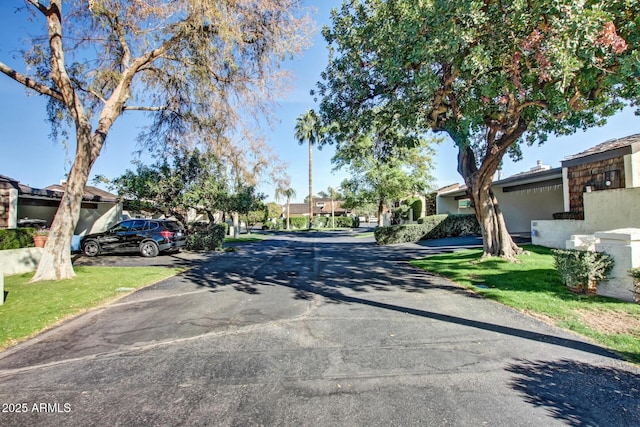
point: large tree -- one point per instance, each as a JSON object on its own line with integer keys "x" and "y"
{"x": 382, "y": 177}
{"x": 195, "y": 65}
{"x": 308, "y": 130}
{"x": 173, "y": 184}
{"x": 490, "y": 74}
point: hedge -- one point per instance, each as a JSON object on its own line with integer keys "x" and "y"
{"x": 16, "y": 238}
{"x": 207, "y": 239}
{"x": 302, "y": 223}
{"x": 429, "y": 227}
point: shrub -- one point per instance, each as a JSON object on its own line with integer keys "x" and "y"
{"x": 321, "y": 222}
{"x": 345, "y": 222}
{"x": 430, "y": 227}
{"x": 298, "y": 222}
{"x": 277, "y": 224}
{"x": 399, "y": 214}
{"x": 635, "y": 275}
{"x": 16, "y": 238}
{"x": 207, "y": 239}
{"x": 581, "y": 270}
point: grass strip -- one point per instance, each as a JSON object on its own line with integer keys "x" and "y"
{"x": 533, "y": 286}
{"x": 30, "y": 308}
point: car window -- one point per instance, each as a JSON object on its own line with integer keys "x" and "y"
{"x": 172, "y": 226}
{"x": 138, "y": 225}
{"x": 123, "y": 226}
{"x": 153, "y": 225}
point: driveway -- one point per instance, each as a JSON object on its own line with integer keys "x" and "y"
{"x": 319, "y": 329}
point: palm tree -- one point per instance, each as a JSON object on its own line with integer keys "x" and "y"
{"x": 287, "y": 193}
{"x": 308, "y": 130}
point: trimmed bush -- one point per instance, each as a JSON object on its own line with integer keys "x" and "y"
{"x": 16, "y": 238}
{"x": 581, "y": 271}
{"x": 298, "y": 222}
{"x": 429, "y": 227}
{"x": 207, "y": 239}
{"x": 416, "y": 205}
{"x": 321, "y": 222}
{"x": 635, "y": 275}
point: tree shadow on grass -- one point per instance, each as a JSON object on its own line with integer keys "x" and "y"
{"x": 579, "y": 393}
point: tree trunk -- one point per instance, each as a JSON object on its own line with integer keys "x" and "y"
{"x": 380, "y": 213}
{"x": 310, "y": 185}
{"x": 496, "y": 239}
{"x": 288, "y": 225}
{"x": 55, "y": 263}
{"x": 236, "y": 224}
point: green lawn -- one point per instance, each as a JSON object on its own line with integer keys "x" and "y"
{"x": 533, "y": 286}
{"x": 32, "y": 307}
{"x": 246, "y": 238}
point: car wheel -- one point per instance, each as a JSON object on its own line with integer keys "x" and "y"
{"x": 91, "y": 248}
{"x": 149, "y": 249}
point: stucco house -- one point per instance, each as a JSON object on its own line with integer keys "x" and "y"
{"x": 601, "y": 191}
{"x": 592, "y": 202}
{"x": 23, "y": 205}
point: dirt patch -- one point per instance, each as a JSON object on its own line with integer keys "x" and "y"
{"x": 542, "y": 317}
{"x": 611, "y": 322}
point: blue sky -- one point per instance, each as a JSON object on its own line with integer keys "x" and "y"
{"x": 30, "y": 156}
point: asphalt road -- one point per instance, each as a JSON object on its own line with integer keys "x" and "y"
{"x": 318, "y": 329}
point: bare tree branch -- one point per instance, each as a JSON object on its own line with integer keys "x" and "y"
{"x": 29, "y": 82}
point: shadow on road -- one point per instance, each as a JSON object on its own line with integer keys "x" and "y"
{"x": 335, "y": 270}
{"x": 579, "y": 393}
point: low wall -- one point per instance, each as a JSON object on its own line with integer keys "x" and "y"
{"x": 554, "y": 233}
{"x": 19, "y": 261}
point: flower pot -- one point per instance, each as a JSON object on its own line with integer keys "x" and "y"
{"x": 39, "y": 241}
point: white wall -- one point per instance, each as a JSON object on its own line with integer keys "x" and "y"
{"x": 90, "y": 221}
{"x": 19, "y": 261}
{"x": 603, "y": 211}
{"x": 97, "y": 220}
{"x": 555, "y": 233}
{"x": 612, "y": 209}
{"x": 449, "y": 205}
{"x": 632, "y": 170}
{"x": 521, "y": 207}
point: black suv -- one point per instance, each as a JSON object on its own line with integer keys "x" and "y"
{"x": 147, "y": 236}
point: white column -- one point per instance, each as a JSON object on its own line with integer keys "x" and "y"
{"x": 565, "y": 189}
{"x": 13, "y": 209}
{"x": 624, "y": 246}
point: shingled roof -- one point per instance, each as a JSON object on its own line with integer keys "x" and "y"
{"x": 606, "y": 150}
{"x": 91, "y": 194}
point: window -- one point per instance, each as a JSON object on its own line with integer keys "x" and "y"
{"x": 138, "y": 225}
{"x": 612, "y": 179}
{"x": 123, "y": 226}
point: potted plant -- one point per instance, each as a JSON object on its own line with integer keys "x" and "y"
{"x": 635, "y": 275}
{"x": 40, "y": 237}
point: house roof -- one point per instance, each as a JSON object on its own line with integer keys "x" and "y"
{"x": 604, "y": 151}
{"x": 92, "y": 194}
{"x": 535, "y": 178}
{"x": 303, "y": 208}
